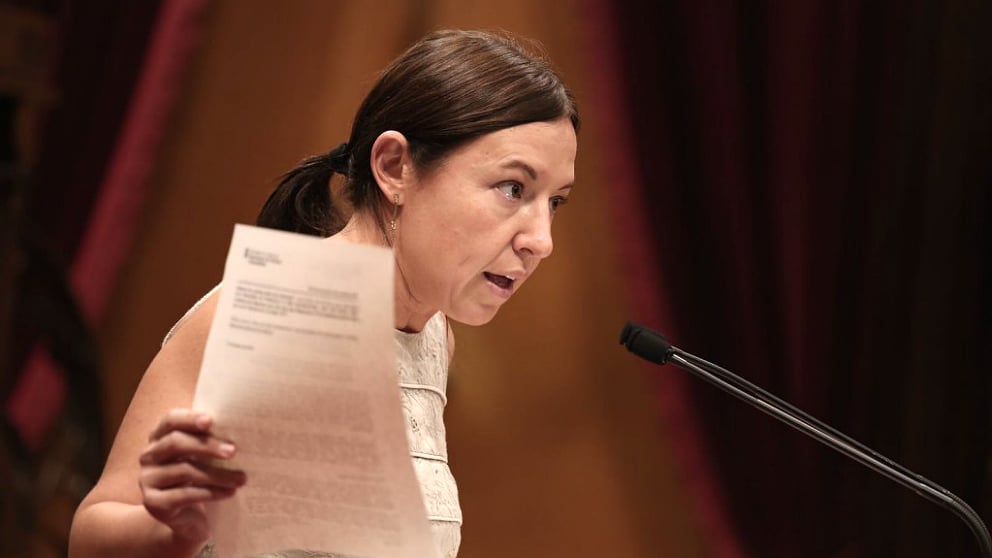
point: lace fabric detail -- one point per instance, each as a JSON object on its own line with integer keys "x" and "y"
{"x": 422, "y": 373}
{"x": 422, "y": 369}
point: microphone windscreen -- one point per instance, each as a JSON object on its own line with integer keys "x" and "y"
{"x": 645, "y": 343}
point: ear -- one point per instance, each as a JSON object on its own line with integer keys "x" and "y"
{"x": 392, "y": 166}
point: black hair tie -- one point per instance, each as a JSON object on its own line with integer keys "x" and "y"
{"x": 338, "y": 159}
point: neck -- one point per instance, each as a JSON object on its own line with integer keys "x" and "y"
{"x": 410, "y": 315}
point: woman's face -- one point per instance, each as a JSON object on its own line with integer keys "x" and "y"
{"x": 474, "y": 228}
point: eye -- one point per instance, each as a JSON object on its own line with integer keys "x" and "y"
{"x": 512, "y": 190}
{"x": 557, "y": 202}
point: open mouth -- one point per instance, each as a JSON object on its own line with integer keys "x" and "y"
{"x": 501, "y": 281}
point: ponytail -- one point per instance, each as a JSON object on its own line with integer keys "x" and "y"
{"x": 301, "y": 203}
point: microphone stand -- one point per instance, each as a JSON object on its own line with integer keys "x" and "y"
{"x": 652, "y": 346}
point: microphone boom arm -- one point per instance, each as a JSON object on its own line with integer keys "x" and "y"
{"x": 653, "y": 347}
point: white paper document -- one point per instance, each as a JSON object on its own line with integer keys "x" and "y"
{"x": 299, "y": 371}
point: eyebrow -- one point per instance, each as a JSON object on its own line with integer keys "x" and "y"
{"x": 518, "y": 164}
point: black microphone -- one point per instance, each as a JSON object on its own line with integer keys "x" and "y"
{"x": 652, "y": 346}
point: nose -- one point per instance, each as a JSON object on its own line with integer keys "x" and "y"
{"x": 534, "y": 238}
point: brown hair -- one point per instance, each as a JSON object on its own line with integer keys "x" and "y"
{"x": 448, "y": 88}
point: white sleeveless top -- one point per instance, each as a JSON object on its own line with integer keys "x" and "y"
{"x": 422, "y": 360}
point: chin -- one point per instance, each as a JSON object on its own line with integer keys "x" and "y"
{"x": 474, "y": 316}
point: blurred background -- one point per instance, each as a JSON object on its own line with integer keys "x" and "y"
{"x": 799, "y": 191}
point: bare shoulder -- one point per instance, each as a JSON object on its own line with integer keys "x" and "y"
{"x": 168, "y": 383}
{"x": 184, "y": 350}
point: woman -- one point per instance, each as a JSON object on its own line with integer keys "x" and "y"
{"x": 458, "y": 159}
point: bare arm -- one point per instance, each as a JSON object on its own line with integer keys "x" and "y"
{"x": 149, "y": 500}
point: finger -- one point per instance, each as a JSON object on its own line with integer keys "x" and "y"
{"x": 166, "y": 505}
{"x": 186, "y": 420}
{"x": 184, "y": 473}
{"x": 177, "y": 445}
{"x": 191, "y": 523}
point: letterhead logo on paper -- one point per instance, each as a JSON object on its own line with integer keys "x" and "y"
{"x": 260, "y": 258}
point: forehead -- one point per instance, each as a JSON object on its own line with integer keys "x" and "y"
{"x": 546, "y": 147}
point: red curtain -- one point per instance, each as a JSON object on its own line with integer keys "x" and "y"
{"x": 104, "y": 164}
{"x": 816, "y": 178}
{"x": 607, "y": 41}
{"x": 115, "y": 82}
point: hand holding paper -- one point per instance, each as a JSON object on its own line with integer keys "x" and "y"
{"x": 299, "y": 371}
